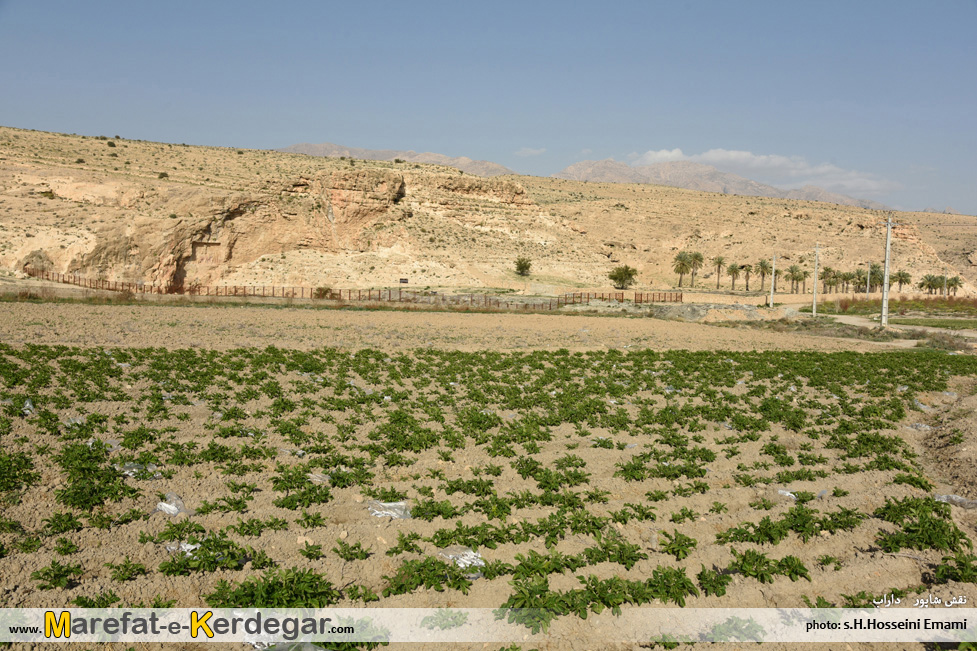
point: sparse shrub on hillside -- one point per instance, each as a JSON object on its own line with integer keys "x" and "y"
{"x": 523, "y": 265}
{"x": 164, "y": 175}
{"x": 111, "y": 143}
{"x": 623, "y": 276}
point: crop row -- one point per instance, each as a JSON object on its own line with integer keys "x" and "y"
{"x": 627, "y": 470}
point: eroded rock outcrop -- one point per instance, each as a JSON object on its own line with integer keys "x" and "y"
{"x": 501, "y": 190}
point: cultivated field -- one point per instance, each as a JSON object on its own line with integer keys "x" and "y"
{"x": 591, "y": 462}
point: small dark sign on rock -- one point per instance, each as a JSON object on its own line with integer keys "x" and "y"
{"x": 403, "y": 281}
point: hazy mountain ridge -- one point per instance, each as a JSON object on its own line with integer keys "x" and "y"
{"x": 465, "y": 164}
{"x": 697, "y": 176}
{"x": 677, "y": 174}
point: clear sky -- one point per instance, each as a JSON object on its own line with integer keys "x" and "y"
{"x": 876, "y": 99}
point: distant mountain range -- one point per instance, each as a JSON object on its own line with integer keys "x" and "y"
{"x": 465, "y": 164}
{"x": 696, "y": 176}
{"x": 678, "y": 174}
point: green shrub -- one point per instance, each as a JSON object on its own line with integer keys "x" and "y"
{"x": 623, "y": 276}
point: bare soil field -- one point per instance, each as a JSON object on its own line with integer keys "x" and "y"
{"x": 227, "y": 327}
{"x": 582, "y": 457}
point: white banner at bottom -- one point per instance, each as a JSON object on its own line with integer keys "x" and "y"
{"x": 282, "y": 628}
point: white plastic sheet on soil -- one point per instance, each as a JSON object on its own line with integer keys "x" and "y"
{"x": 173, "y": 505}
{"x": 182, "y": 547}
{"x": 956, "y": 500}
{"x": 465, "y": 559}
{"x": 132, "y": 469}
{"x": 462, "y": 556}
{"x": 395, "y": 510}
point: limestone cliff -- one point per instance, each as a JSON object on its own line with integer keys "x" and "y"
{"x": 173, "y": 214}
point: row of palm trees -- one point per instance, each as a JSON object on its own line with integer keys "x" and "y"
{"x": 690, "y": 262}
{"x": 832, "y": 280}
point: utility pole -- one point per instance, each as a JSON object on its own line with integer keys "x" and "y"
{"x": 868, "y": 278}
{"x": 885, "y": 275}
{"x": 944, "y": 281}
{"x": 814, "y": 304}
{"x": 773, "y": 278}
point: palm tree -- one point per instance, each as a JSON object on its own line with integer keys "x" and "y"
{"x": 793, "y": 274}
{"x": 695, "y": 261}
{"x": 849, "y": 278}
{"x": 718, "y": 261}
{"x": 763, "y": 268}
{"x": 747, "y": 269}
{"x": 827, "y": 277}
{"x": 804, "y": 276}
{"x": 930, "y": 283}
{"x": 902, "y": 278}
{"x": 954, "y": 284}
{"x": 876, "y": 274}
{"x": 681, "y": 265}
{"x": 734, "y": 272}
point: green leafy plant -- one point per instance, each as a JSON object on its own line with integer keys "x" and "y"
{"x": 57, "y": 575}
{"x": 623, "y": 276}
{"x": 349, "y": 552}
{"x": 311, "y": 520}
{"x": 677, "y": 544}
{"x": 65, "y": 547}
{"x": 712, "y": 582}
{"x": 127, "y": 570}
{"x": 289, "y": 588}
{"x": 445, "y": 619}
{"x": 311, "y": 552}
{"x": 406, "y": 543}
{"x": 104, "y": 600}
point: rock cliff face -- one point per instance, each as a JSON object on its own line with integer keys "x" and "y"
{"x": 172, "y": 215}
{"x": 326, "y": 212}
{"x": 172, "y": 234}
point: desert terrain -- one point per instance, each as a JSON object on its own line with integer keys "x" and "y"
{"x": 586, "y": 460}
{"x": 114, "y": 209}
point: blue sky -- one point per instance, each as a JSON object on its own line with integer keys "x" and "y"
{"x": 873, "y": 99}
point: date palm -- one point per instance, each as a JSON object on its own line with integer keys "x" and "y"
{"x": 763, "y": 268}
{"x": 747, "y": 269}
{"x": 827, "y": 278}
{"x": 734, "y": 272}
{"x": 695, "y": 261}
{"x": 848, "y": 278}
{"x": 930, "y": 283}
{"x": 953, "y": 284}
{"x": 682, "y": 264}
{"x": 876, "y": 275}
{"x": 794, "y": 274}
{"x": 719, "y": 261}
{"x": 902, "y": 278}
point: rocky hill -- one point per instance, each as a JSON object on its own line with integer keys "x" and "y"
{"x": 465, "y": 164}
{"x": 152, "y": 212}
{"x": 696, "y": 176}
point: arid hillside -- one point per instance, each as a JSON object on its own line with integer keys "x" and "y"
{"x": 118, "y": 209}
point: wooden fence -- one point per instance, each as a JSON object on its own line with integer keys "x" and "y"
{"x": 473, "y": 301}
{"x": 658, "y": 297}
